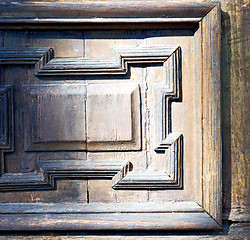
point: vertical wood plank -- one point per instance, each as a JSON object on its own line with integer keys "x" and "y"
{"x": 212, "y": 186}
{"x": 198, "y": 110}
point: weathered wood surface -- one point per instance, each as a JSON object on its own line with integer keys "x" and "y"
{"x": 161, "y": 179}
{"x": 19, "y": 208}
{"x": 235, "y": 109}
{"x": 101, "y": 13}
{"x": 50, "y": 130}
{"x": 24, "y": 55}
{"x": 211, "y": 119}
{"x": 115, "y": 108}
{"x": 145, "y": 160}
{"x": 235, "y": 145}
{"x": 122, "y": 221}
{"x": 64, "y": 130}
{"x": 106, "y": 216}
{"x": 6, "y": 119}
{"x": 120, "y": 65}
{"x": 47, "y": 171}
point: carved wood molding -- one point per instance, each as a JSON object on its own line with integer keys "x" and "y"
{"x": 28, "y": 55}
{"x": 123, "y": 179}
{"x": 126, "y": 179}
{"x": 102, "y": 14}
{"x": 48, "y": 66}
{"x": 168, "y": 141}
{"x": 50, "y": 170}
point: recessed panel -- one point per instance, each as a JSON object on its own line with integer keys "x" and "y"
{"x": 113, "y": 117}
{"x": 55, "y": 117}
{"x": 5, "y": 116}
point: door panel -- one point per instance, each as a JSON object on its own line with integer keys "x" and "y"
{"x": 104, "y": 129}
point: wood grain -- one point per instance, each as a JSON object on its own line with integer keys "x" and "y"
{"x": 102, "y": 14}
{"x": 120, "y": 65}
{"x": 57, "y": 208}
{"x": 162, "y": 179}
{"x": 126, "y": 221}
{"x": 6, "y": 119}
{"x": 48, "y": 171}
{"x": 65, "y": 43}
{"x": 174, "y": 216}
{"x": 48, "y": 129}
{"x": 50, "y": 69}
{"x": 24, "y": 55}
{"x": 235, "y": 110}
{"x": 212, "y": 156}
{"x": 116, "y": 113}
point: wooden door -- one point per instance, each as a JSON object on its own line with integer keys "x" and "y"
{"x": 111, "y": 122}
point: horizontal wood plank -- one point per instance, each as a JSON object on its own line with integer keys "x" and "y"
{"x": 57, "y": 208}
{"x": 102, "y": 14}
{"x": 103, "y": 9}
{"x": 112, "y": 216}
{"x": 112, "y": 221}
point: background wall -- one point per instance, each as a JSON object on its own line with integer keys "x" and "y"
{"x": 235, "y": 106}
{"x": 235, "y": 133}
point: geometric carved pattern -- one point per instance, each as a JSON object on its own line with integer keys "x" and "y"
{"x": 165, "y": 92}
{"x": 163, "y": 179}
{"x": 49, "y": 170}
{"x": 116, "y": 15}
{"x": 128, "y": 135}
{"x": 47, "y": 66}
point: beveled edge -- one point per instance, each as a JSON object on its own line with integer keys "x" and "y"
{"x": 211, "y": 114}
{"x": 102, "y": 14}
{"x": 105, "y": 216}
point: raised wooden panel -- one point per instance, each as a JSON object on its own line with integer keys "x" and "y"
{"x": 55, "y": 117}
{"x": 113, "y": 117}
{"x": 6, "y": 116}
